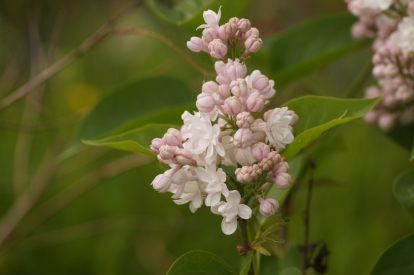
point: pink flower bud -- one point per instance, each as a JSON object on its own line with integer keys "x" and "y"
{"x": 244, "y": 156}
{"x": 166, "y": 161}
{"x": 244, "y": 120}
{"x": 209, "y": 34}
{"x": 252, "y": 44}
{"x": 173, "y": 137}
{"x": 205, "y": 103}
{"x": 371, "y": 116}
{"x": 378, "y": 71}
{"x": 377, "y": 59}
{"x": 156, "y": 144}
{"x": 390, "y": 70}
{"x": 268, "y": 207}
{"x": 258, "y": 135}
{"x": 386, "y": 121}
{"x": 252, "y": 32}
{"x": 283, "y": 180}
{"x": 210, "y": 87}
{"x": 195, "y": 44}
{"x": 234, "y": 20}
{"x": 224, "y": 91}
{"x": 358, "y": 30}
{"x": 244, "y": 25}
{"x": 243, "y": 174}
{"x": 275, "y": 157}
{"x": 230, "y": 71}
{"x": 167, "y": 152}
{"x": 266, "y": 164}
{"x": 294, "y": 116}
{"x": 232, "y": 106}
{"x": 222, "y": 33}
{"x": 239, "y": 87}
{"x": 255, "y": 102}
{"x": 217, "y": 49}
{"x": 262, "y": 84}
{"x": 260, "y": 151}
{"x": 389, "y": 100}
{"x": 267, "y": 114}
{"x": 256, "y": 172}
{"x": 372, "y": 91}
{"x": 282, "y": 167}
{"x": 231, "y": 29}
{"x": 161, "y": 183}
{"x": 243, "y": 138}
{"x": 183, "y": 157}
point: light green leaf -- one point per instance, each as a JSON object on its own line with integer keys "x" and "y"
{"x": 189, "y": 13}
{"x": 245, "y": 263}
{"x": 404, "y": 190}
{"x": 149, "y": 100}
{"x": 319, "y": 114}
{"x": 312, "y": 45}
{"x": 200, "y": 263}
{"x": 398, "y": 259}
{"x": 137, "y": 140}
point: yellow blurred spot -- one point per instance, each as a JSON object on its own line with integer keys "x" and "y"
{"x": 82, "y": 97}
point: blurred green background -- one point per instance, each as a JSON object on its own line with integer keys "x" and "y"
{"x": 98, "y": 213}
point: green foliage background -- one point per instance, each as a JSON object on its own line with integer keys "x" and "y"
{"x": 120, "y": 225}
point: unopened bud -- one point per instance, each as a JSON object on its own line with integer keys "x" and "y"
{"x": 252, "y": 44}
{"x": 156, "y": 144}
{"x": 294, "y": 116}
{"x": 260, "y": 151}
{"x": 195, "y": 44}
{"x": 275, "y": 157}
{"x": 244, "y": 156}
{"x": 244, "y": 25}
{"x": 252, "y": 32}
{"x": 266, "y": 164}
{"x": 243, "y": 138}
{"x": 183, "y": 157}
{"x": 205, "y": 103}
{"x": 258, "y": 135}
{"x": 232, "y": 106}
{"x": 239, "y": 87}
{"x": 217, "y": 49}
{"x": 255, "y": 102}
{"x": 244, "y": 120}
{"x": 173, "y": 137}
{"x": 167, "y": 152}
{"x": 209, "y": 34}
{"x": 210, "y": 87}
{"x": 386, "y": 121}
{"x": 224, "y": 91}
{"x": 268, "y": 207}
{"x": 161, "y": 183}
{"x": 283, "y": 180}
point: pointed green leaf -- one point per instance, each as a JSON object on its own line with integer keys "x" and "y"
{"x": 200, "y": 263}
{"x": 137, "y": 140}
{"x": 245, "y": 263}
{"x": 398, "y": 259}
{"x": 149, "y": 100}
{"x": 189, "y": 13}
{"x": 312, "y": 45}
{"x": 319, "y": 114}
{"x": 404, "y": 190}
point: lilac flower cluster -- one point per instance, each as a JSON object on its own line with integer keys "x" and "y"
{"x": 227, "y": 131}
{"x": 391, "y": 23}
{"x": 216, "y": 40}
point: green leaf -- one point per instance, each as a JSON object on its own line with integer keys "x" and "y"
{"x": 404, "y": 190}
{"x": 398, "y": 259}
{"x": 403, "y": 135}
{"x": 137, "y": 140}
{"x": 291, "y": 271}
{"x": 319, "y": 114}
{"x": 245, "y": 263}
{"x": 200, "y": 263}
{"x": 312, "y": 45}
{"x": 412, "y": 153}
{"x": 189, "y": 13}
{"x": 149, "y": 100}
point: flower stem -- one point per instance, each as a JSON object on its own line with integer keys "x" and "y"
{"x": 245, "y": 239}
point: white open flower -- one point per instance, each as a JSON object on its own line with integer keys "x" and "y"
{"x": 277, "y": 128}
{"x": 404, "y": 36}
{"x": 203, "y": 137}
{"x": 215, "y": 181}
{"x": 230, "y": 211}
{"x": 211, "y": 18}
{"x": 192, "y": 193}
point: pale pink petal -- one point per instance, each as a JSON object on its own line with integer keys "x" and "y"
{"x": 245, "y": 212}
{"x": 228, "y": 227}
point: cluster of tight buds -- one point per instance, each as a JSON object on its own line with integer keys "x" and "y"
{"x": 227, "y": 132}
{"x": 217, "y": 40}
{"x": 391, "y": 23}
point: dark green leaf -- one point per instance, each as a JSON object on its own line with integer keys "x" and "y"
{"x": 137, "y": 140}
{"x": 200, "y": 263}
{"x": 319, "y": 114}
{"x": 150, "y": 100}
{"x": 189, "y": 13}
{"x": 312, "y": 45}
{"x": 404, "y": 190}
{"x": 245, "y": 263}
{"x": 403, "y": 135}
{"x": 398, "y": 259}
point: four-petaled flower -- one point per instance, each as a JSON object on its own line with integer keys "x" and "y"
{"x": 215, "y": 181}
{"x": 211, "y": 18}
{"x": 277, "y": 128}
{"x": 230, "y": 211}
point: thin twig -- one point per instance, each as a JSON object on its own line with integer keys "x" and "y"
{"x": 101, "y": 34}
{"x": 85, "y": 184}
{"x": 305, "y": 251}
{"x": 55, "y": 36}
{"x": 245, "y": 240}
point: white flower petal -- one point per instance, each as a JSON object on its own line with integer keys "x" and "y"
{"x": 228, "y": 227}
{"x": 215, "y": 208}
{"x": 245, "y": 212}
{"x": 233, "y": 197}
